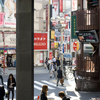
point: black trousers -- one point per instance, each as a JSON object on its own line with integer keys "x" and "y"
{"x": 1, "y": 79}
{"x": 12, "y": 90}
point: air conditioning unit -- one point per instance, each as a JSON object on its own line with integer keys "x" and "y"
{"x": 44, "y": 21}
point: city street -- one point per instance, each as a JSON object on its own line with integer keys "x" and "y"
{"x": 42, "y": 76}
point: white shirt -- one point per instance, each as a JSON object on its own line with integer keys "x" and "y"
{"x": 52, "y": 68}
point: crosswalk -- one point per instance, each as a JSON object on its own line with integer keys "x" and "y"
{"x": 38, "y": 85}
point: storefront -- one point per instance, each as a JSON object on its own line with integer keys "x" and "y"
{"x": 40, "y": 48}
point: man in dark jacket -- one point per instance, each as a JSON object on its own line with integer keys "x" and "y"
{"x": 62, "y": 95}
{"x": 58, "y": 62}
{"x": 2, "y": 92}
{"x": 59, "y": 75}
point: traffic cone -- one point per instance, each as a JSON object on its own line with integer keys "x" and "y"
{"x": 38, "y": 98}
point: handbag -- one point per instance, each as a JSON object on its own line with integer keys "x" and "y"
{"x": 61, "y": 80}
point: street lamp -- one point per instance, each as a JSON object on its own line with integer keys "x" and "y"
{"x": 61, "y": 26}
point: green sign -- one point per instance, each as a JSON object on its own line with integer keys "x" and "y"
{"x": 1, "y": 50}
{"x": 73, "y": 27}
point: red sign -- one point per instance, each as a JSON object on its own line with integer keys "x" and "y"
{"x": 61, "y": 5}
{"x": 76, "y": 46}
{"x": 46, "y": 17}
{"x": 40, "y": 41}
{"x": 52, "y": 44}
{"x": 50, "y": 55}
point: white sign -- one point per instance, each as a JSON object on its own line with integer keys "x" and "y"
{"x": 10, "y": 39}
{"x": 74, "y": 5}
{"x": 1, "y": 40}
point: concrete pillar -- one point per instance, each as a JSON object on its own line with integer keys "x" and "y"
{"x": 24, "y": 50}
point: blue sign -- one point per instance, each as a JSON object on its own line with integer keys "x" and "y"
{"x": 63, "y": 48}
{"x": 67, "y": 56}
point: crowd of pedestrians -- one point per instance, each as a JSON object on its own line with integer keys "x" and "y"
{"x": 11, "y": 83}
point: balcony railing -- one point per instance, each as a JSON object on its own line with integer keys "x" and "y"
{"x": 87, "y": 19}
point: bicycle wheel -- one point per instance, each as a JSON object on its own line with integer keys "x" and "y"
{"x": 70, "y": 75}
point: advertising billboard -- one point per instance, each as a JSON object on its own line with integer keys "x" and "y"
{"x": 7, "y": 13}
{"x": 40, "y": 41}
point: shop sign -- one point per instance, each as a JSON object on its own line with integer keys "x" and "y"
{"x": 67, "y": 56}
{"x": 10, "y": 39}
{"x": 66, "y": 32}
{"x": 52, "y": 45}
{"x": 87, "y": 36}
{"x": 40, "y": 41}
{"x": 50, "y": 55}
{"x": 57, "y": 32}
{"x": 55, "y": 45}
{"x": 74, "y": 5}
{"x": 52, "y": 34}
{"x": 61, "y": 5}
{"x": 73, "y": 27}
{"x": 41, "y": 57}
{"x": 76, "y": 46}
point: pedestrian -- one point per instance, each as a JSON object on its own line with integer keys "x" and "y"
{"x": 1, "y": 71}
{"x": 59, "y": 75}
{"x": 62, "y": 95}
{"x": 46, "y": 61}
{"x": 52, "y": 68}
{"x": 58, "y": 63}
{"x": 2, "y": 91}
{"x": 43, "y": 95}
{"x": 54, "y": 60}
{"x": 11, "y": 83}
{"x": 49, "y": 63}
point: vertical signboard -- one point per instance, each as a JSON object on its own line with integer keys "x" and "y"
{"x": 41, "y": 56}
{"x": 74, "y": 5}
{"x": 50, "y": 55}
{"x": 46, "y": 17}
{"x": 55, "y": 10}
{"x": 61, "y": 5}
{"x": 73, "y": 27}
{"x": 7, "y": 13}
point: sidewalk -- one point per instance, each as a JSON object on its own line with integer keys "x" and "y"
{"x": 77, "y": 95}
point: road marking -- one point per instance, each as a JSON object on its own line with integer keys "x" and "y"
{"x": 52, "y": 84}
{"x": 39, "y": 88}
{"x": 43, "y": 84}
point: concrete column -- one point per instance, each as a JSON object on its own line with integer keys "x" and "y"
{"x": 24, "y": 50}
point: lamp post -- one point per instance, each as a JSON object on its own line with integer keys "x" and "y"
{"x": 60, "y": 26}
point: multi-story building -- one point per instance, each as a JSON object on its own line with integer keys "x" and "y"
{"x": 88, "y": 31}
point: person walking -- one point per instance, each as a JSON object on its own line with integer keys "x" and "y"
{"x": 54, "y": 60}
{"x": 59, "y": 75}
{"x": 57, "y": 63}
{"x": 52, "y": 68}
{"x": 49, "y": 63}
{"x": 43, "y": 95}
{"x": 11, "y": 83}
{"x": 1, "y": 71}
{"x": 46, "y": 62}
{"x": 62, "y": 95}
{"x": 2, "y": 91}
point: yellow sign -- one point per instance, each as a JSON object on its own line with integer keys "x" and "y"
{"x": 55, "y": 45}
{"x": 52, "y": 34}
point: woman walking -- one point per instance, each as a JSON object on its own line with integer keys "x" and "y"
{"x": 43, "y": 95}
{"x": 11, "y": 83}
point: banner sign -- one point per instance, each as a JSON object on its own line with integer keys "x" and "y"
{"x": 52, "y": 34}
{"x": 75, "y": 46}
{"x": 74, "y": 5}
{"x": 57, "y": 32}
{"x": 7, "y": 13}
{"x": 40, "y": 41}
{"x": 50, "y": 55}
{"x": 61, "y": 5}
{"x": 67, "y": 56}
{"x": 52, "y": 45}
{"x": 73, "y": 27}
{"x": 41, "y": 57}
{"x": 55, "y": 10}
{"x": 87, "y": 36}
{"x": 1, "y": 40}
{"x": 57, "y": 39}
